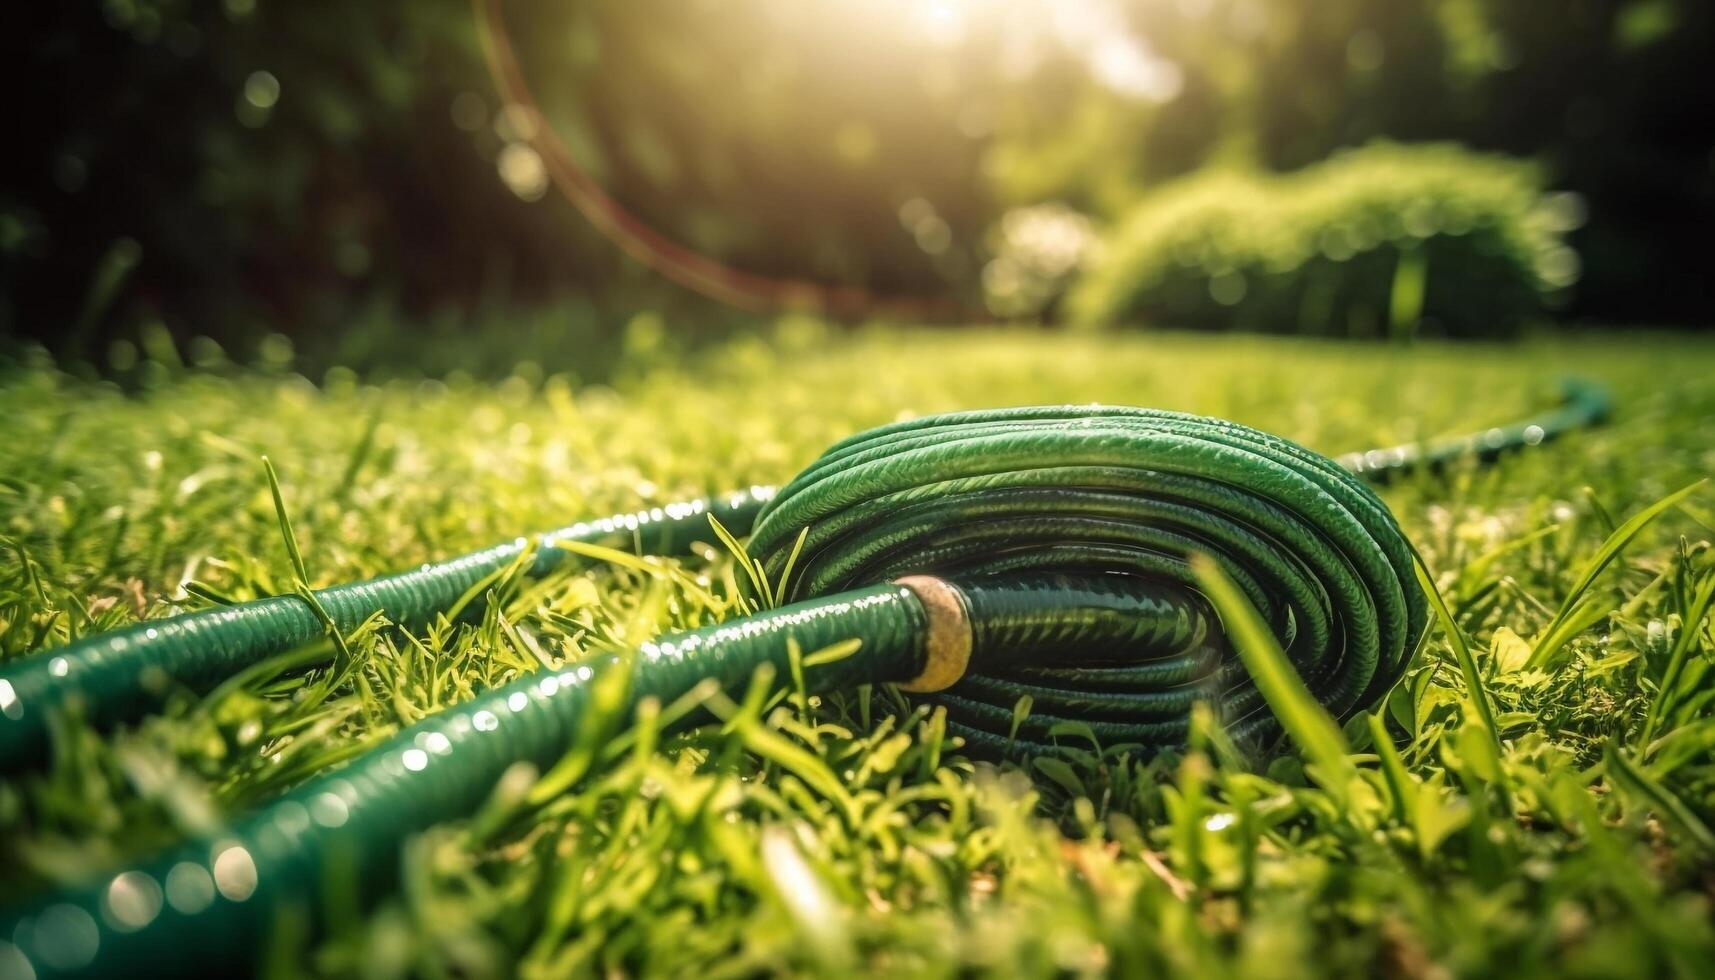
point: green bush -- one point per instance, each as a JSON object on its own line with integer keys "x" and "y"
{"x": 1384, "y": 239}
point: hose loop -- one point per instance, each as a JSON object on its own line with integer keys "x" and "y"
{"x": 1059, "y": 522}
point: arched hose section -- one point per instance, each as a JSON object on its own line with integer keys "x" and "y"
{"x": 678, "y": 263}
{"x": 978, "y": 557}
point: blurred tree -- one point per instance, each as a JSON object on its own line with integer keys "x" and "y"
{"x": 1615, "y": 96}
{"x": 246, "y": 167}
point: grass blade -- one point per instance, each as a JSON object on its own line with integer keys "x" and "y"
{"x": 1303, "y": 717}
{"x": 298, "y": 569}
{"x": 1659, "y": 798}
{"x": 1610, "y": 550}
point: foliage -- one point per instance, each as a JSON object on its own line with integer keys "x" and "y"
{"x": 234, "y": 167}
{"x": 210, "y": 166}
{"x": 1607, "y": 95}
{"x": 1568, "y": 837}
{"x": 218, "y": 165}
{"x": 1388, "y": 238}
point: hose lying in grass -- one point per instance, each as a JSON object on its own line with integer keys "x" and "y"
{"x": 978, "y": 557}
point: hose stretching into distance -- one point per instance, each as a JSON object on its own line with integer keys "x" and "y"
{"x": 978, "y": 557}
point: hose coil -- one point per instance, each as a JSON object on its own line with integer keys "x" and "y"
{"x": 1064, "y": 493}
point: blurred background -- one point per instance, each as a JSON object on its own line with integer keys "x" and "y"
{"x": 453, "y": 183}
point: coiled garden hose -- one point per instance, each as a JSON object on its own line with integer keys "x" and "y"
{"x": 978, "y": 557}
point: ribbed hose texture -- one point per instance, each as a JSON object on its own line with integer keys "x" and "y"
{"x": 1123, "y": 492}
{"x": 121, "y": 675}
{"x": 206, "y": 907}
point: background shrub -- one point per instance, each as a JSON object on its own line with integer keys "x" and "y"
{"x": 1389, "y": 238}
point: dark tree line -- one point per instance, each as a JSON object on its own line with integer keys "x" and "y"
{"x": 233, "y": 166}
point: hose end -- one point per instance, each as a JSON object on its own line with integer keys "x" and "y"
{"x": 947, "y": 647}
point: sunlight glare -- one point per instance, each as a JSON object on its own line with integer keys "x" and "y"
{"x": 1096, "y": 31}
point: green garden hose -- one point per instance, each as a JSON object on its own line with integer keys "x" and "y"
{"x": 120, "y": 675}
{"x": 979, "y": 557}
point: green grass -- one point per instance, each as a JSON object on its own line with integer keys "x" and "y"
{"x": 1536, "y": 797}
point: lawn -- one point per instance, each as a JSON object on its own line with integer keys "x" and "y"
{"x": 1580, "y": 845}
